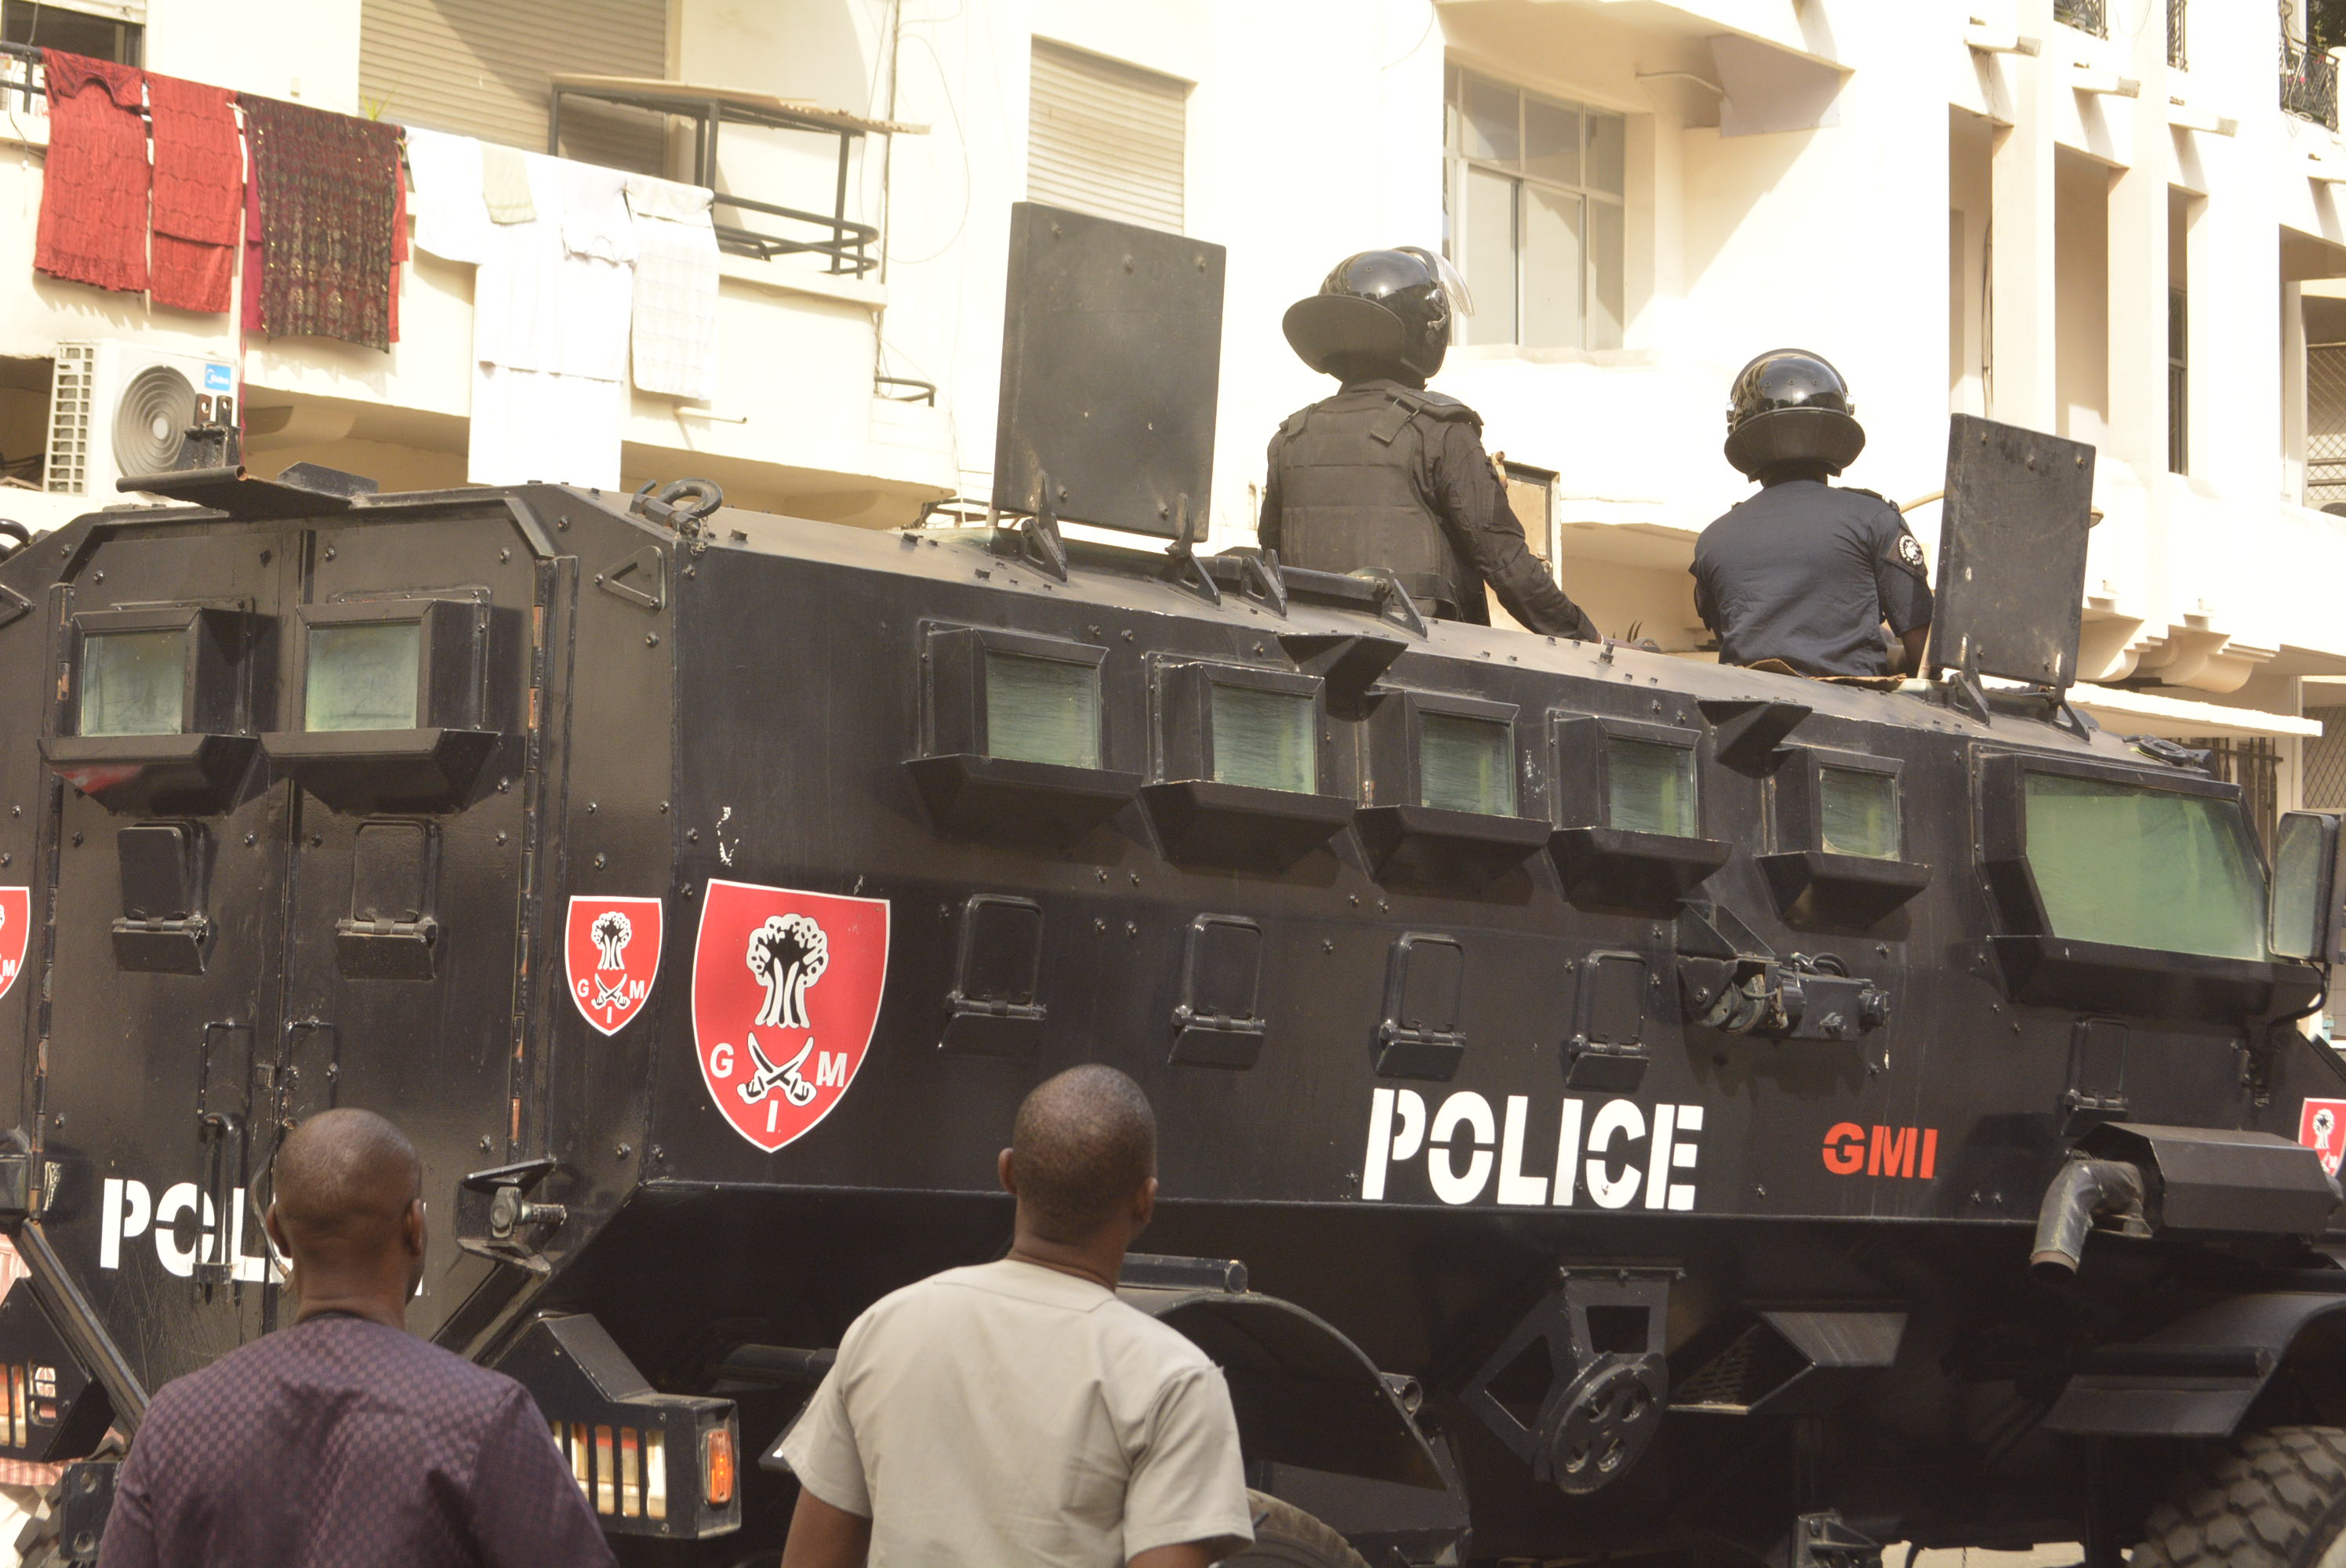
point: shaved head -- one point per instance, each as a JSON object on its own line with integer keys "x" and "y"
{"x": 344, "y": 1183}
{"x": 1085, "y": 1142}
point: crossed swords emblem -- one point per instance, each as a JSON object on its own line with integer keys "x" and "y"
{"x": 795, "y": 1089}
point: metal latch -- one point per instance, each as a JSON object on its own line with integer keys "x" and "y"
{"x": 494, "y": 1211}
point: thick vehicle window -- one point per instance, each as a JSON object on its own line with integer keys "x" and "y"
{"x": 1466, "y": 764}
{"x": 134, "y": 683}
{"x": 1264, "y": 739}
{"x": 1860, "y": 812}
{"x": 2144, "y": 868}
{"x": 1649, "y": 789}
{"x": 1042, "y": 710}
{"x": 363, "y": 676}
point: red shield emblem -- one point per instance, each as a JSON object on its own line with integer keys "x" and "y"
{"x": 2321, "y": 1125}
{"x": 613, "y": 948}
{"x": 15, "y": 933}
{"x": 785, "y": 990}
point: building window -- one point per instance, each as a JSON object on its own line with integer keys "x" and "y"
{"x": 1533, "y": 207}
{"x": 485, "y": 68}
{"x": 1107, "y": 138}
{"x": 1531, "y": 494}
{"x": 2178, "y": 383}
{"x": 101, "y": 31}
{"x": 2325, "y": 424}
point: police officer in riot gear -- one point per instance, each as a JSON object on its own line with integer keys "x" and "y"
{"x": 1807, "y": 573}
{"x": 1387, "y": 474}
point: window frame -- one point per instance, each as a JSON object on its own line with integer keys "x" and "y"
{"x": 223, "y": 649}
{"x": 449, "y": 656}
{"x": 1800, "y": 799}
{"x": 1583, "y": 770}
{"x": 2003, "y": 829}
{"x": 1396, "y": 752}
{"x": 953, "y": 695}
{"x": 1181, "y": 741}
{"x": 1457, "y": 163}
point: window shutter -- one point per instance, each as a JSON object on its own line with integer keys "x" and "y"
{"x": 484, "y": 69}
{"x": 1105, "y": 137}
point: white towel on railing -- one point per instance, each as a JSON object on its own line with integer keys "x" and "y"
{"x": 551, "y": 308}
{"x": 451, "y": 219}
{"x": 676, "y": 287}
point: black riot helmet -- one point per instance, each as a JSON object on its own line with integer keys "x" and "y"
{"x": 1381, "y": 312}
{"x": 1790, "y": 405}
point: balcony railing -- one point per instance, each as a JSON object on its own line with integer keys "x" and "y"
{"x": 2177, "y": 59}
{"x": 2086, "y": 15}
{"x": 2309, "y": 82}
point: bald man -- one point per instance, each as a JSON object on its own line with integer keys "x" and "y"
{"x": 342, "y": 1438}
{"x": 1018, "y": 1411}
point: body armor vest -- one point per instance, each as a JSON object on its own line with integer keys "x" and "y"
{"x": 1349, "y": 496}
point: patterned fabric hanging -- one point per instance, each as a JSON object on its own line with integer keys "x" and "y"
{"x": 93, "y": 226}
{"x": 198, "y": 193}
{"x": 329, "y": 195}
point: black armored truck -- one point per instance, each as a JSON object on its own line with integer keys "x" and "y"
{"x": 1614, "y": 1107}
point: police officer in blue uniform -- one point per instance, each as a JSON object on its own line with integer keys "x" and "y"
{"x": 1807, "y": 573}
{"x": 1386, "y": 474}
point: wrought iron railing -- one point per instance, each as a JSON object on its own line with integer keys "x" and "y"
{"x": 2086, "y": 15}
{"x": 2309, "y": 82}
{"x": 2177, "y": 59}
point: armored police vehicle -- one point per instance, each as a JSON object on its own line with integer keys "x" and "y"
{"x": 1612, "y": 1106}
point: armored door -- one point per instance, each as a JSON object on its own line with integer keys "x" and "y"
{"x": 167, "y": 844}
{"x": 413, "y": 660}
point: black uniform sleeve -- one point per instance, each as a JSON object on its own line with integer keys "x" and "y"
{"x": 1899, "y": 576}
{"x": 1704, "y": 609}
{"x": 1472, "y": 504}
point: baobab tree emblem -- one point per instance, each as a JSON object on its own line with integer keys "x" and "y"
{"x": 613, "y": 949}
{"x": 786, "y": 989}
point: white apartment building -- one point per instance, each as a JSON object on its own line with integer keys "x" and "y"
{"x": 2115, "y": 220}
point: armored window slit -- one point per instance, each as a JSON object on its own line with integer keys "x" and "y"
{"x": 991, "y": 1009}
{"x": 1420, "y": 1034}
{"x": 1014, "y": 743}
{"x": 391, "y": 932}
{"x": 1627, "y": 810}
{"x": 1218, "y": 1022}
{"x": 163, "y": 867}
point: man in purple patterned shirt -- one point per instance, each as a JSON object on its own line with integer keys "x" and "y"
{"x": 343, "y": 1439}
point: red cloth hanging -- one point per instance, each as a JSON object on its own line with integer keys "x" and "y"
{"x": 198, "y": 193}
{"x": 94, "y": 186}
{"x": 328, "y": 195}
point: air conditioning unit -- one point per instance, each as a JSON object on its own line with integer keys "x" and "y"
{"x": 124, "y": 408}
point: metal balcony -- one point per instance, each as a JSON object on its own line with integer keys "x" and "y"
{"x": 2309, "y": 82}
{"x": 2086, "y": 15}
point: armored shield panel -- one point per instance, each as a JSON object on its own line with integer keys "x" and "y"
{"x": 2011, "y": 552}
{"x": 1111, "y": 358}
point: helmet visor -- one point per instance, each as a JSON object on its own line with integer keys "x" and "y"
{"x": 1454, "y": 286}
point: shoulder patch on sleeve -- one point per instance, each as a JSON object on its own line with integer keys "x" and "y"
{"x": 1910, "y": 549}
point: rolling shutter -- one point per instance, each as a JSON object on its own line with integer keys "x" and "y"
{"x": 481, "y": 67}
{"x": 1105, "y": 137}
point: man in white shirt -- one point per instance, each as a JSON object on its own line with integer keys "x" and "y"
{"x": 1018, "y": 1413}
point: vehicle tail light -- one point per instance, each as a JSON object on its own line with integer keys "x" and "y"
{"x": 716, "y": 1466}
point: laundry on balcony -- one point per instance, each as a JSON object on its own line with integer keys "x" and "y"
{"x": 198, "y": 204}
{"x": 752, "y": 230}
{"x": 94, "y": 191}
{"x": 329, "y": 207}
{"x": 552, "y": 308}
{"x": 451, "y": 215}
{"x": 505, "y": 184}
{"x": 675, "y": 349}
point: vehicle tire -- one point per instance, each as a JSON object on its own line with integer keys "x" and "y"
{"x": 1287, "y": 1537}
{"x": 2275, "y": 1498}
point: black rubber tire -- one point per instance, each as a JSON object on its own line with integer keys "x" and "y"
{"x": 1287, "y": 1537}
{"x": 2276, "y": 1499}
